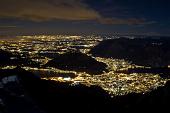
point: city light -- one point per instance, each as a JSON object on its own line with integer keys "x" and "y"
{"x": 114, "y": 83}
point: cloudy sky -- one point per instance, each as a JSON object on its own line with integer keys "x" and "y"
{"x": 29, "y": 17}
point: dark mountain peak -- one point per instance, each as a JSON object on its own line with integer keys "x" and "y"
{"x": 145, "y": 52}
{"x": 77, "y": 61}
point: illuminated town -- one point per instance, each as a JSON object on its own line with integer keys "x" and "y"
{"x": 84, "y": 56}
{"x": 114, "y": 83}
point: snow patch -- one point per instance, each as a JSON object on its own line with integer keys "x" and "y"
{"x": 6, "y": 80}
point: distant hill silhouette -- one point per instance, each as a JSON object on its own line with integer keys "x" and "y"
{"x": 146, "y": 52}
{"x": 30, "y": 94}
{"x": 77, "y": 61}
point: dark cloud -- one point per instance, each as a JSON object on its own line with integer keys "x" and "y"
{"x": 43, "y": 10}
{"x": 39, "y": 10}
{"x": 3, "y": 27}
{"x": 129, "y": 21}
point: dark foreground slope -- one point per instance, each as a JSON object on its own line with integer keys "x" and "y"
{"x": 30, "y": 94}
{"x": 7, "y": 59}
{"x": 145, "y": 52}
{"x": 76, "y": 61}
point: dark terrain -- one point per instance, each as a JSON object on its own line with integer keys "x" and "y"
{"x": 151, "y": 52}
{"x": 76, "y": 61}
{"x": 30, "y": 94}
{"x": 23, "y": 92}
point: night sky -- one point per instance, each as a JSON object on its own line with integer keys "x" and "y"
{"x": 140, "y": 17}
